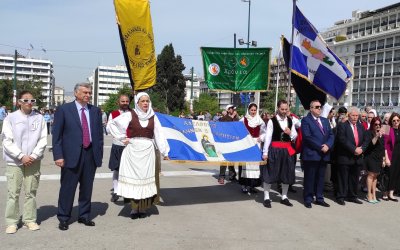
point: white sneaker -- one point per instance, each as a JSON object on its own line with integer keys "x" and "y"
{"x": 33, "y": 226}
{"x": 12, "y": 229}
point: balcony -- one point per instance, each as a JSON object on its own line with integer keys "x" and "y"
{"x": 387, "y": 74}
{"x": 372, "y": 62}
{"x": 381, "y": 47}
{"x": 388, "y": 59}
{"x": 378, "y": 74}
{"x": 372, "y": 48}
{"x": 395, "y": 103}
{"x": 396, "y": 59}
{"x": 358, "y": 51}
{"x": 378, "y": 89}
{"x": 370, "y": 89}
{"x": 355, "y": 90}
{"x": 363, "y": 63}
{"x": 362, "y": 103}
{"x": 363, "y": 76}
{"x": 395, "y": 88}
{"x": 357, "y": 63}
{"x": 362, "y": 89}
{"x": 389, "y": 45}
{"x": 379, "y": 61}
{"x": 396, "y": 73}
{"x": 370, "y": 75}
{"x": 386, "y": 88}
{"x": 364, "y": 50}
{"x": 397, "y": 44}
{"x": 355, "y": 77}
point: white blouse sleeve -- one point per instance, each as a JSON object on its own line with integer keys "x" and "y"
{"x": 268, "y": 137}
{"x": 159, "y": 137}
{"x": 263, "y": 131}
{"x": 119, "y": 125}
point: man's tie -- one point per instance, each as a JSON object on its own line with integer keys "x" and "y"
{"x": 355, "y": 134}
{"x": 85, "y": 129}
{"x": 320, "y": 126}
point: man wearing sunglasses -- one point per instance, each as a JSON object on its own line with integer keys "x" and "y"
{"x": 318, "y": 141}
{"x": 24, "y": 142}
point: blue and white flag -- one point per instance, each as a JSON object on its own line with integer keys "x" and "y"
{"x": 193, "y": 140}
{"x": 314, "y": 61}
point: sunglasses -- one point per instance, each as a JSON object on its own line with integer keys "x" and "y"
{"x": 317, "y": 107}
{"x": 377, "y": 125}
{"x": 395, "y": 120}
{"x": 27, "y": 100}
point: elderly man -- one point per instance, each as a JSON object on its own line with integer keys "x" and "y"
{"x": 351, "y": 143}
{"x": 78, "y": 150}
{"x": 318, "y": 140}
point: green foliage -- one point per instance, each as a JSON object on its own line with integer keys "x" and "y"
{"x": 158, "y": 103}
{"x": 33, "y": 86}
{"x": 206, "y": 102}
{"x": 269, "y": 103}
{"x": 170, "y": 80}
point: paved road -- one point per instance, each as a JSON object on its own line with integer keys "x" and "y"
{"x": 197, "y": 213}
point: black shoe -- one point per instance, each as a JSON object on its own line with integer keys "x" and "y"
{"x": 134, "y": 216}
{"x": 232, "y": 178}
{"x": 393, "y": 199}
{"x": 355, "y": 200}
{"x": 307, "y": 205}
{"x": 322, "y": 203}
{"x": 253, "y": 190}
{"x": 267, "y": 203}
{"x": 286, "y": 202}
{"x": 114, "y": 197}
{"x": 63, "y": 225}
{"x": 340, "y": 202}
{"x": 244, "y": 190}
{"x": 86, "y": 222}
{"x": 142, "y": 215}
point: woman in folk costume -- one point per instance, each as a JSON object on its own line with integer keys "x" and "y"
{"x": 137, "y": 174}
{"x": 249, "y": 174}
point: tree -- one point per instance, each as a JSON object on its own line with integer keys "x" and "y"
{"x": 170, "y": 80}
{"x": 33, "y": 86}
{"x": 206, "y": 102}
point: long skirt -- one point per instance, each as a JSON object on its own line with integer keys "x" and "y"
{"x": 280, "y": 167}
{"x": 137, "y": 180}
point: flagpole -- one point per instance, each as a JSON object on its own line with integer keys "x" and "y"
{"x": 278, "y": 76}
{"x": 291, "y": 53}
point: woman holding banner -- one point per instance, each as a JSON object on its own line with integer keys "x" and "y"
{"x": 137, "y": 174}
{"x": 249, "y": 174}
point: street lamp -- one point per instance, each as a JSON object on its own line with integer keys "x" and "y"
{"x": 248, "y": 27}
{"x": 252, "y": 43}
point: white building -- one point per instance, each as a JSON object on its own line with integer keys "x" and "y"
{"x": 369, "y": 43}
{"x": 58, "y": 96}
{"x": 196, "y": 86}
{"x": 107, "y": 80}
{"x": 30, "y": 69}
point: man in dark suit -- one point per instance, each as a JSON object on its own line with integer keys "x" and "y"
{"x": 77, "y": 150}
{"x": 318, "y": 140}
{"x": 351, "y": 143}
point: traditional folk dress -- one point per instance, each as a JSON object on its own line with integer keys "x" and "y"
{"x": 280, "y": 166}
{"x": 137, "y": 173}
{"x": 117, "y": 146}
{"x": 249, "y": 174}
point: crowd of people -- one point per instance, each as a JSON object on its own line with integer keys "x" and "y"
{"x": 334, "y": 152}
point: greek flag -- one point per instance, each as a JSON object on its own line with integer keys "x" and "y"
{"x": 193, "y": 140}
{"x": 314, "y": 61}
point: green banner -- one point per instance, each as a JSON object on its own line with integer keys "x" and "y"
{"x": 237, "y": 70}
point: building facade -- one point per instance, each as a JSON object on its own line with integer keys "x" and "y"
{"x": 369, "y": 43}
{"x": 196, "y": 86}
{"x": 107, "y": 80}
{"x": 58, "y": 96}
{"x": 30, "y": 69}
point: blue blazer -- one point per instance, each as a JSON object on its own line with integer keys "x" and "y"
{"x": 67, "y": 134}
{"x": 313, "y": 138}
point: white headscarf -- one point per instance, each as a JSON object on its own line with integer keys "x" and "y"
{"x": 143, "y": 116}
{"x": 253, "y": 121}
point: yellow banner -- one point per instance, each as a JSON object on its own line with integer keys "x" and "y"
{"x": 136, "y": 31}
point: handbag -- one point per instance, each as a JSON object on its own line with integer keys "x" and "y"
{"x": 383, "y": 179}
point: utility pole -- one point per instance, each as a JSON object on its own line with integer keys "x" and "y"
{"x": 191, "y": 90}
{"x": 15, "y": 82}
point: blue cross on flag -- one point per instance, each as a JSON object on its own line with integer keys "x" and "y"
{"x": 314, "y": 61}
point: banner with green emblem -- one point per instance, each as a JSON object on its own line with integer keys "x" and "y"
{"x": 236, "y": 69}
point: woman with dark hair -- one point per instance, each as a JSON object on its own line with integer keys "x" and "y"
{"x": 392, "y": 145}
{"x": 373, "y": 157}
{"x": 249, "y": 174}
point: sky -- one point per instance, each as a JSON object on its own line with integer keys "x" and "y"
{"x": 80, "y": 35}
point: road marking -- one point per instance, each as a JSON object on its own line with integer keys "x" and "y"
{"x": 205, "y": 172}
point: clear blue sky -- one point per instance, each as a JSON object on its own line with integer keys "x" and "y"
{"x": 65, "y": 27}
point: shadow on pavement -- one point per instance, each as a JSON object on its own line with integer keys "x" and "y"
{"x": 126, "y": 211}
